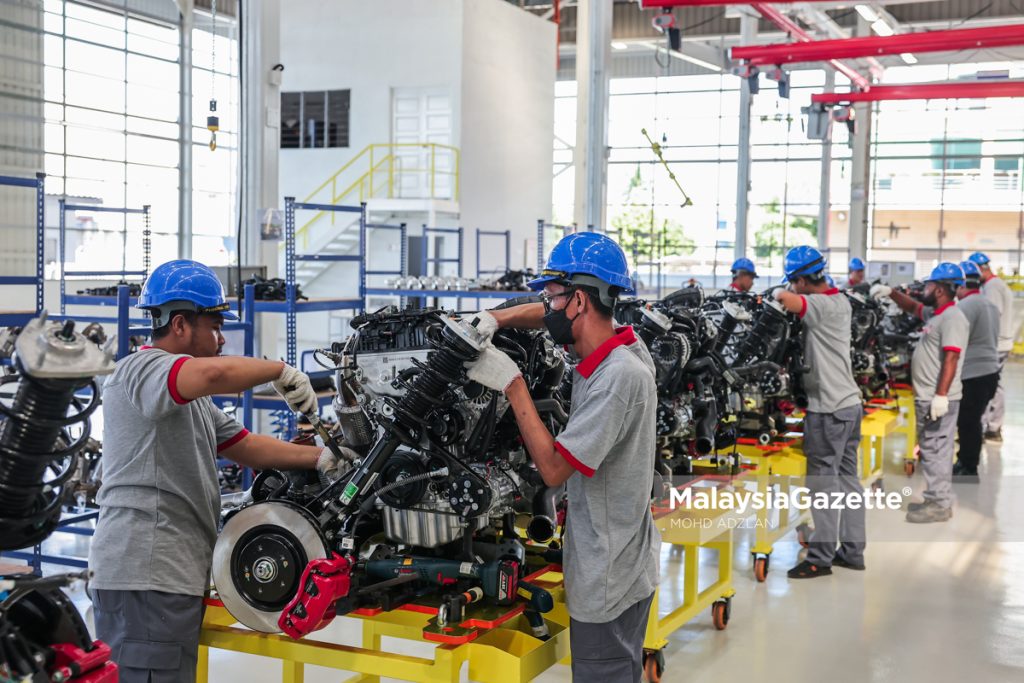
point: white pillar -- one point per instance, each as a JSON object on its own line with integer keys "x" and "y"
{"x": 860, "y": 180}
{"x": 185, "y": 131}
{"x": 824, "y": 193}
{"x": 593, "y": 55}
{"x": 748, "y": 33}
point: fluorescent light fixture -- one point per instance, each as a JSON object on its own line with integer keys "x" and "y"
{"x": 617, "y": 45}
{"x": 866, "y": 11}
{"x": 686, "y": 58}
{"x": 908, "y": 58}
{"x": 882, "y": 28}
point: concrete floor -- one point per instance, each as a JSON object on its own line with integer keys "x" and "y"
{"x": 941, "y": 602}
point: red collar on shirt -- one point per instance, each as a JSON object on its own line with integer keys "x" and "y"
{"x": 624, "y": 336}
{"x": 735, "y": 286}
{"x": 943, "y": 307}
{"x": 970, "y": 292}
{"x": 831, "y": 292}
{"x": 991, "y": 276}
{"x": 143, "y": 348}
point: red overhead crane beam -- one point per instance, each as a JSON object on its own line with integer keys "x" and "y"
{"x": 874, "y": 46}
{"x": 650, "y": 4}
{"x": 926, "y": 91}
{"x": 796, "y": 32}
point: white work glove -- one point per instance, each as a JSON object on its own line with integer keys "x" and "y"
{"x": 778, "y": 292}
{"x": 330, "y": 468}
{"x": 486, "y": 325}
{"x": 940, "y": 406}
{"x": 294, "y": 387}
{"x": 493, "y": 369}
{"x": 880, "y": 291}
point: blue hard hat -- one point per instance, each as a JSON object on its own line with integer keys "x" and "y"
{"x": 183, "y": 280}
{"x": 744, "y": 264}
{"x": 586, "y": 253}
{"x": 802, "y": 261}
{"x": 856, "y": 264}
{"x": 970, "y": 269}
{"x": 830, "y": 281}
{"x": 979, "y": 258}
{"x": 949, "y": 273}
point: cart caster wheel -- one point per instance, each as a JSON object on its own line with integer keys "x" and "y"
{"x": 654, "y": 665}
{"x": 803, "y": 535}
{"x": 908, "y": 468}
{"x": 877, "y": 485}
{"x": 720, "y": 613}
{"x": 761, "y": 568}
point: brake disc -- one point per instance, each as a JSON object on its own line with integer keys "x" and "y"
{"x": 259, "y": 559}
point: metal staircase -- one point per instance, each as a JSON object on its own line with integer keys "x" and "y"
{"x": 395, "y": 180}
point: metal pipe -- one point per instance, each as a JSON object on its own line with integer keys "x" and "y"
{"x": 773, "y": 15}
{"x": 874, "y": 46}
{"x": 927, "y": 91}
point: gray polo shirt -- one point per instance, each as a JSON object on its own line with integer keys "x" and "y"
{"x": 946, "y": 329}
{"x": 981, "y": 358}
{"x": 998, "y": 292}
{"x": 160, "y": 500}
{"x": 829, "y": 383}
{"x": 611, "y": 543}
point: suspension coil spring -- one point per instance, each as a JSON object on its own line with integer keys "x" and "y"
{"x": 444, "y": 366}
{"x": 31, "y": 442}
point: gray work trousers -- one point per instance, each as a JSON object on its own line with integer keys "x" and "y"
{"x": 830, "y": 445}
{"x": 992, "y": 420}
{"x": 935, "y": 439}
{"x": 153, "y": 636}
{"x": 612, "y": 651}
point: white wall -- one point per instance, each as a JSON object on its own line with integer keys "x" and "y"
{"x": 508, "y": 94}
{"x": 370, "y": 48}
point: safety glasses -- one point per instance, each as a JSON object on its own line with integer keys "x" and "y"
{"x": 546, "y": 298}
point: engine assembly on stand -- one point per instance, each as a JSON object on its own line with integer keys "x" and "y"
{"x": 436, "y": 486}
{"x": 43, "y": 436}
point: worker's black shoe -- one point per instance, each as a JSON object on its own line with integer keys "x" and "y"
{"x": 969, "y": 475}
{"x": 840, "y": 561}
{"x": 930, "y": 512}
{"x": 914, "y": 507}
{"x": 806, "y": 570}
{"x": 994, "y": 436}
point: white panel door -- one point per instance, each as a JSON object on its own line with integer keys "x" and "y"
{"x": 422, "y": 115}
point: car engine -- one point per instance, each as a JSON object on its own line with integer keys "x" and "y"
{"x": 868, "y": 355}
{"x": 435, "y": 488}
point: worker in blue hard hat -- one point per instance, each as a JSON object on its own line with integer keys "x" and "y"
{"x": 855, "y": 279}
{"x": 936, "y": 372}
{"x": 604, "y": 455}
{"x": 995, "y": 289}
{"x": 832, "y": 422}
{"x": 160, "y": 499}
{"x": 743, "y": 275}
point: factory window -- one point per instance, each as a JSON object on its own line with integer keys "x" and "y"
{"x": 956, "y": 155}
{"x": 315, "y": 118}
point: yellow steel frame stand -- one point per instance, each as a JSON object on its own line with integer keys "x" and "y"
{"x": 506, "y": 654}
{"x": 907, "y": 425}
{"x": 693, "y": 531}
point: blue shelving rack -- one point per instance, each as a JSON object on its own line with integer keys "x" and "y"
{"x": 123, "y": 274}
{"x": 403, "y": 252}
{"x": 542, "y": 229}
{"x": 457, "y": 294}
{"x": 507, "y": 234}
{"x": 19, "y": 318}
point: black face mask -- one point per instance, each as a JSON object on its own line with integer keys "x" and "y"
{"x": 559, "y": 326}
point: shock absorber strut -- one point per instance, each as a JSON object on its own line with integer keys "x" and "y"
{"x": 54, "y": 362}
{"x": 456, "y": 344}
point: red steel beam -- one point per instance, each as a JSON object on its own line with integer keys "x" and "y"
{"x": 795, "y": 31}
{"x": 926, "y": 91}
{"x": 874, "y": 46}
{"x": 649, "y": 4}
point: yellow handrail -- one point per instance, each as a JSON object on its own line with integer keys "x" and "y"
{"x": 369, "y": 190}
